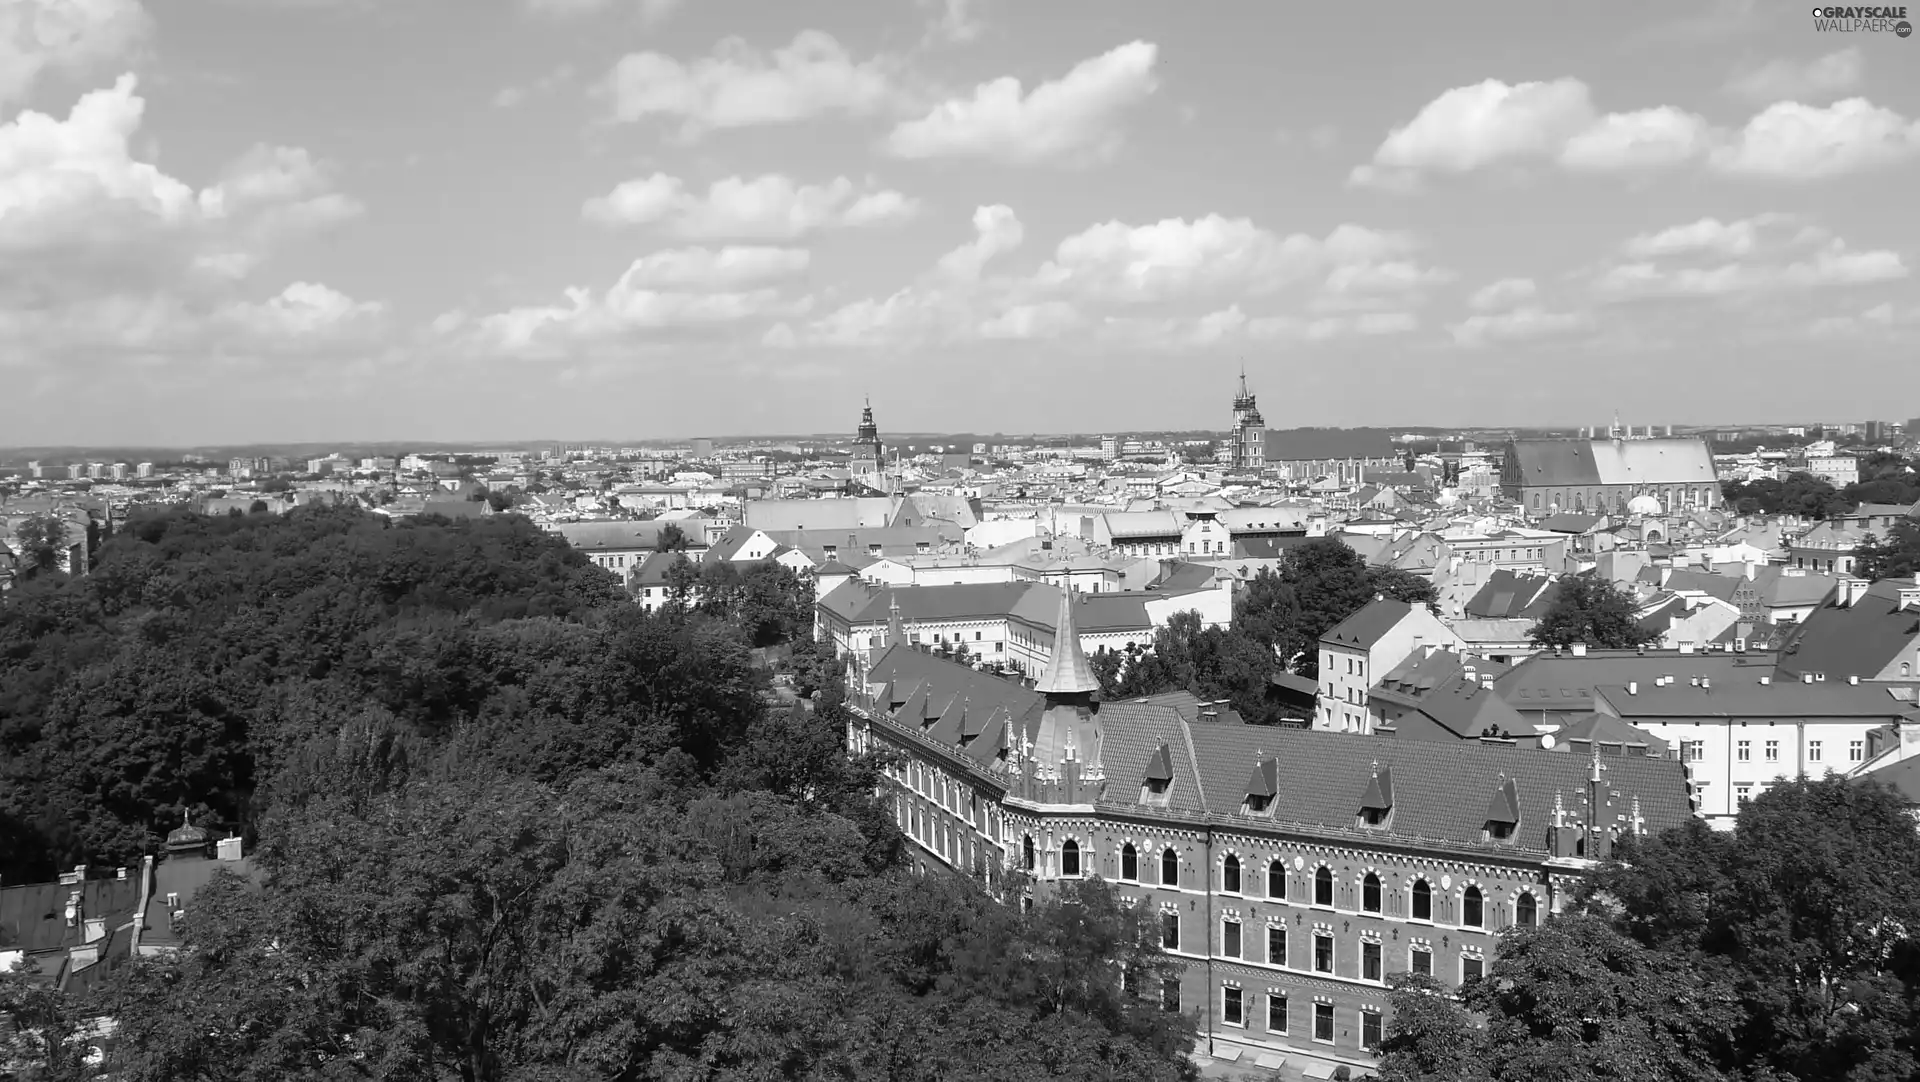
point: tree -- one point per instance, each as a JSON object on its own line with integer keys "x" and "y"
{"x": 42, "y": 543}
{"x": 499, "y": 501}
{"x": 1589, "y": 609}
{"x": 1798, "y": 494}
{"x": 257, "y": 507}
{"x": 1895, "y": 557}
{"x": 671, "y": 538}
{"x": 43, "y": 1039}
{"x": 1429, "y": 1036}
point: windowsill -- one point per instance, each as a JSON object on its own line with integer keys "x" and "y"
{"x": 1328, "y": 1041}
{"x": 1235, "y": 1025}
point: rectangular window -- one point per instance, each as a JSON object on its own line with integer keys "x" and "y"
{"x": 1323, "y": 953}
{"x": 1323, "y": 1022}
{"x": 1170, "y": 931}
{"x": 1170, "y": 995}
{"x": 1276, "y": 1013}
{"x": 1276, "y": 945}
{"x": 1370, "y": 961}
{"x": 1856, "y": 750}
{"x": 1773, "y": 751}
{"x": 1370, "y": 1029}
{"x": 1472, "y": 968}
{"x": 1230, "y": 938}
{"x": 1421, "y": 961}
{"x": 1813, "y": 751}
{"x": 1230, "y": 1007}
{"x": 1743, "y": 751}
{"x": 1693, "y": 751}
{"x": 1741, "y": 793}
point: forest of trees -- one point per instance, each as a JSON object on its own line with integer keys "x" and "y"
{"x": 1885, "y": 478}
{"x": 512, "y": 827}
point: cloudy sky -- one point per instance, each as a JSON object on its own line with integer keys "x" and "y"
{"x": 227, "y": 220}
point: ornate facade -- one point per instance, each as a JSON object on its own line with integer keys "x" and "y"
{"x": 1294, "y": 871}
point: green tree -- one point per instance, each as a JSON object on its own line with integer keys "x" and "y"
{"x": 671, "y": 538}
{"x": 1589, "y": 609}
{"x": 44, "y": 1036}
{"x": 1429, "y": 1036}
{"x": 42, "y": 543}
{"x": 1897, "y": 556}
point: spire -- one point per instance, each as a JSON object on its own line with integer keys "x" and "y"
{"x": 1067, "y": 670}
{"x": 896, "y": 632}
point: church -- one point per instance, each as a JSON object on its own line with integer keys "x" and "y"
{"x": 1618, "y": 475}
{"x": 1248, "y": 451}
{"x": 1292, "y": 871}
{"x": 869, "y": 454}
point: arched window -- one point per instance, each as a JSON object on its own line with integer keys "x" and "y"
{"x": 1170, "y": 867}
{"x": 1471, "y": 908}
{"x": 1370, "y": 893}
{"x": 1525, "y": 910}
{"x": 1230, "y": 874}
{"x": 1070, "y": 857}
{"x": 1277, "y": 880}
{"x": 1323, "y": 886}
{"x": 1422, "y": 900}
{"x": 1026, "y": 852}
{"x": 1129, "y": 862}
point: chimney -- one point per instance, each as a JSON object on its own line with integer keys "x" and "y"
{"x": 120, "y": 873}
{"x": 1854, "y": 680}
{"x": 1750, "y": 569}
{"x": 1693, "y": 681}
{"x": 1766, "y": 680}
{"x": 1633, "y": 687}
{"x": 1706, "y": 683}
{"x": 1806, "y": 678}
{"x": 1851, "y": 591}
{"x": 1579, "y": 649}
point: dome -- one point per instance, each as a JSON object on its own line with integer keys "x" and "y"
{"x": 1643, "y": 505}
{"x": 186, "y": 835}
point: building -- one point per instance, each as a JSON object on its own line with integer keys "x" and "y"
{"x": 1343, "y": 456}
{"x": 869, "y": 454}
{"x": 1248, "y": 440}
{"x": 1357, "y": 650}
{"x": 1860, "y": 631}
{"x": 1837, "y": 470}
{"x": 1292, "y": 871}
{"x": 1546, "y": 476}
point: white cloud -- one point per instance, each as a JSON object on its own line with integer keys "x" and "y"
{"x": 1885, "y": 318}
{"x": 1768, "y": 252}
{"x": 714, "y": 269}
{"x": 1505, "y": 293}
{"x": 1790, "y": 141}
{"x": 1472, "y": 127}
{"x": 1074, "y": 118}
{"x": 738, "y": 86}
{"x": 1646, "y": 139}
{"x": 1821, "y": 78}
{"x": 520, "y": 93}
{"x": 301, "y": 313}
{"x": 650, "y": 12}
{"x": 769, "y": 207}
{"x": 1048, "y": 319}
{"x": 38, "y": 37}
{"x": 1518, "y": 324}
{"x": 997, "y": 231}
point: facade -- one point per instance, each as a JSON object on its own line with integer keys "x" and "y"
{"x": 1292, "y": 871}
{"x": 1547, "y": 476}
{"x": 868, "y": 452}
{"x": 1359, "y": 650}
{"x": 1249, "y": 437}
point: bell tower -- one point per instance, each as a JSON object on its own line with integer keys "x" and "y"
{"x": 1249, "y": 431}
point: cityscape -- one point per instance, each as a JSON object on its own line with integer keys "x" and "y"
{"x": 1397, "y": 602}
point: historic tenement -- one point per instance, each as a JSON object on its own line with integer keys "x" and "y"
{"x": 1293, "y": 870}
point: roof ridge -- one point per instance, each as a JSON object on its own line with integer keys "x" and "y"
{"x": 1193, "y": 759}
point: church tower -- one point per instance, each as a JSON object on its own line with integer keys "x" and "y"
{"x": 1249, "y": 431}
{"x": 867, "y": 440}
{"x": 1066, "y": 759}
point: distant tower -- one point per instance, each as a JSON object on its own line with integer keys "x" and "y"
{"x": 868, "y": 438}
{"x": 1249, "y": 431}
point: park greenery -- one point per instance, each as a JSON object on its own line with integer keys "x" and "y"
{"x": 511, "y": 826}
{"x": 1590, "y": 610}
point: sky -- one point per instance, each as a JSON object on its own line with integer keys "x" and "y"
{"x": 485, "y": 220}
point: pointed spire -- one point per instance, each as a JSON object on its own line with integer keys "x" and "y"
{"x": 1067, "y": 671}
{"x": 896, "y": 632}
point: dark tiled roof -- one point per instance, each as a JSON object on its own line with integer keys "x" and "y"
{"x": 1720, "y": 586}
{"x": 1507, "y": 595}
{"x": 1563, "y": 683}
{"x": 33, "y": 915}
{"x": 1860, "y": 640}
{"x": 1364, "y": 628}
{"x": 1744, "y": 696}
{"x": 1320, "y": 444}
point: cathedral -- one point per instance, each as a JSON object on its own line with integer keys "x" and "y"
{"x": 1249, "y": 437}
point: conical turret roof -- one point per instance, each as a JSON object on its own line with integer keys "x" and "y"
{"x": 1067, "y": 670}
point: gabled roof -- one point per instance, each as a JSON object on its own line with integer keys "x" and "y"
{"x": 1379, "y": 792}
{"x": 1160, "y": 767}
{"x": 1264, "y": 781}
{"x": 1504, "y": 807}
{"x": 1368, "y": 626}
{"x": 1857, "y": 640}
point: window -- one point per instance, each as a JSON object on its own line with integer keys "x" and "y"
{"x": 1129, "y": 863}
{"x": 1420, "y": 960}
{"x": 1370, "y": 961}
{"x": 1170, "y": 867}
{"x": 1525, "y": 910}
{"x": 1276, "y": 1013}
{"x": 1471, "y": 908}
{"x": 1322, "y": 953}
{"x": 1472, "y": 968}
{"x": 1742, "y": 793}
{"x": 1230, "y": 1007}
{"x": 1856, "y": 750}
{"x": 1370, "y": 1029}
{"x": 1370, "y": 893}
{"x": 1230, "y": 874}
{"x": 1692, "y": 751}
{"x": 1422, "y": 900}
{"x": 1070, "y": 857}
{"x": 1026, "y": 852}
{"x": 1323, "y": 886}
{"x": 1743, "y": 751}
{"x": 1277, "y": 880}
{"x": 1170, "y": 995}
{"x": 1230, "y": 938}
{"x": 1773, "y": 751}
{"x": 1276, "y": 945}
{"x": 1323, "y": 1022}
{"x": 1170, "y": 930}
{"x": 1813, "y": 751}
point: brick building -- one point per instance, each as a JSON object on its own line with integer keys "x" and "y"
{"x": 1293, "y": 870}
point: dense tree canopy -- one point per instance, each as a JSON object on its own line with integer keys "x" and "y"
{"x": 1798, "y": 494}
{"x": 1591, "y": 610}
{"x": 1897, "y": 555}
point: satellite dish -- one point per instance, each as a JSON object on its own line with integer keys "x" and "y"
{"x": 1547, "y": 741}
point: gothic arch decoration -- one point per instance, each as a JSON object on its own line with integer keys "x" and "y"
{"x": 1232, "y": 872}
{"x": 1071, "y": 859}
{"x": 1420, "y": 894}
{"x": 1170, "y": 866}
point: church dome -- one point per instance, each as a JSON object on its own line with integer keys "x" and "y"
{"x": 186, "y": 836}
{"x": 1643, "y": 505}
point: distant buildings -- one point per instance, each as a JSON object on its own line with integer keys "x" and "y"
{"x": 1616, "y": 475}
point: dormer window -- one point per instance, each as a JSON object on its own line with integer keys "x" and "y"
{"x": 1503, "y": 812}
{"x": 1376, "y": 803}
{"x": 1159, "y": 777}
{"x": 1262, "y": 787}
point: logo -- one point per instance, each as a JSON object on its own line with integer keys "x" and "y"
{"x": 1852, "y": 20}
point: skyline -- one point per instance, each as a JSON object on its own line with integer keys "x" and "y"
{"x": 551, "y": 218}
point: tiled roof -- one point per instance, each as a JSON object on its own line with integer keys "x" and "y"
{"x": 1366, "y": 627}
{"x": 1124, "y": 525}
{"x": 1323, "y": 444}
{"x": 1858, "y": 640}
{"x": 1744, "y": 696}
{"x": 33, "y": 915}
{"x": 1614, "y": 462}
{"x": 619, "y": 536}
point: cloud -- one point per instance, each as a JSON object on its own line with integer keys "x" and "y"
{"x": 1821, "y": 78}
{"x": 766, "y": 207}
{"x": 716, "y": 270}
{"x": 70, "y": 37}
{"x": 650, "y": 12}
{"x": 954, "y": 22}
{"x": 519, "y": 94}
{"x": 997, "y": 230}
{"x": 1882, "y": 320}
{"x": 1073, "y": 119}
{"x": 1790, "y": 141}
{"x": 1494, "y": 125}
{"x": 739, "y": 87}
{"x": 1766, "y": 253}
{"x": 302, "y": 314}
{"x": 1519, "y": 324}
{"x": 1319, "y": 137}
{"x": 1505, "y": 293}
